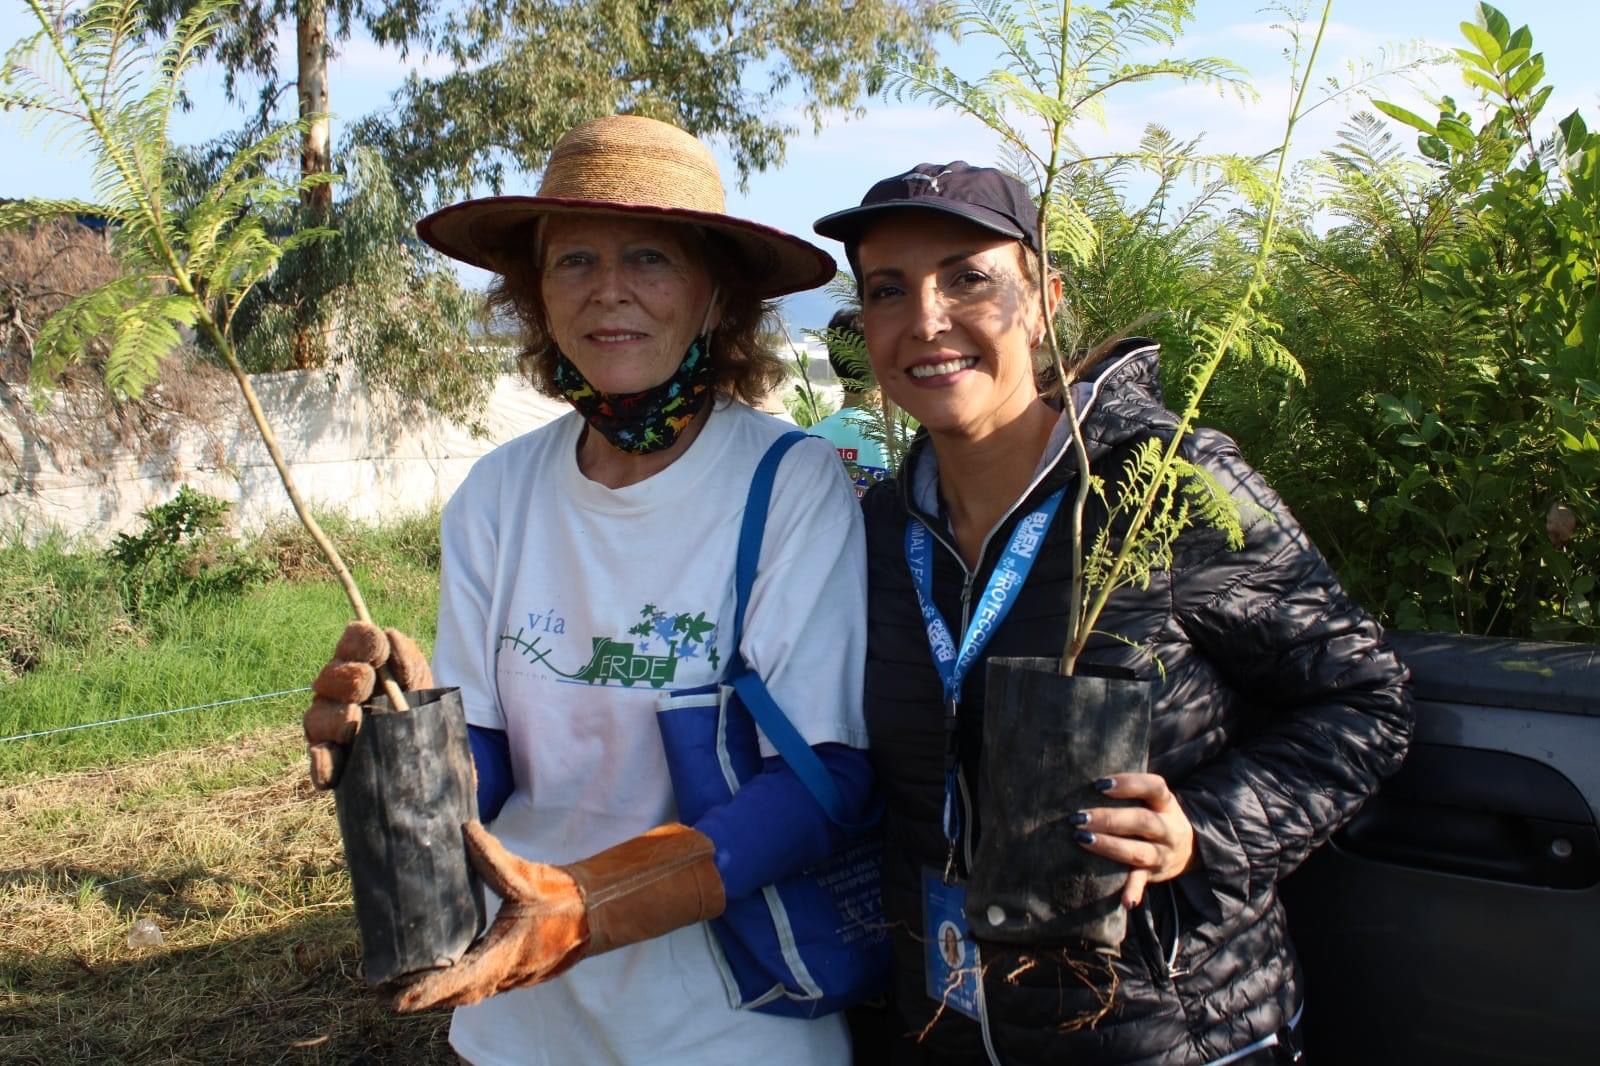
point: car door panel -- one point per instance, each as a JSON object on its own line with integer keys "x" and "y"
{"x": 1457, "y": 918}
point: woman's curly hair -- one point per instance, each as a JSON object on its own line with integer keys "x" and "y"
{"x": 745, "y": 366}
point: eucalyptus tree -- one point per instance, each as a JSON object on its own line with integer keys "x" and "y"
{"x": 752, "y": 71}
{"x": 245, "y": 45}
{"x": 526, "y": 71}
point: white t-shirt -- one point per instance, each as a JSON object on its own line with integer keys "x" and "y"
{"x": 566, "y": 610}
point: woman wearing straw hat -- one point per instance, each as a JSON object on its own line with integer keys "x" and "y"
{"x": 589, "y": 564}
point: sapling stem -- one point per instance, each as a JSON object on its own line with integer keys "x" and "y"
{"x": 352, "y": 591}
{"x": 1080, "y": 448}
{"x": 1080, "y": 451}
{"x": 1079, "y": 634}
{"x": 1081, "y": 615}
{"x": 132, "y": 169}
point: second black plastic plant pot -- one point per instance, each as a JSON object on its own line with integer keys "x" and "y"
{"x": 1046, "y": 739}
{"x": 402, "y": 799}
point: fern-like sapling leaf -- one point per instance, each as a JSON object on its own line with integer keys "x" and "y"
{"x": 87, "y": 74}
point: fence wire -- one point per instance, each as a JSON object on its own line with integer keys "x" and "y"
{"x": 151, "y": 714}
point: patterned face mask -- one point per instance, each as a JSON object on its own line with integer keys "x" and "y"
{"x": 642, "y": 422}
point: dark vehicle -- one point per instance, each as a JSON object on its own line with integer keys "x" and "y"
{"x": 1456, "y": 920}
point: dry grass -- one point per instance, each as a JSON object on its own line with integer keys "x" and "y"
{"x": 226, "y": 850}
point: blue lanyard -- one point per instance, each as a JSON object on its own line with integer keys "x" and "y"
{"x": 953, "y": 662}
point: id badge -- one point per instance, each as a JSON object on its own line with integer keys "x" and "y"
{"x": 950, "y": 954}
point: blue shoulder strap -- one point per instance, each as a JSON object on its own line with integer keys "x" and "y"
{"x": 791, "y": 746}
{"x": 754, "y": 527}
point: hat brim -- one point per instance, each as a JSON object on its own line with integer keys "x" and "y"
{"x": 481, "y": 231}
{"x": 848, "y": 225}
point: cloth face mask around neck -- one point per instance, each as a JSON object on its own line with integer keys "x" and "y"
{"x": 646, "y": 421}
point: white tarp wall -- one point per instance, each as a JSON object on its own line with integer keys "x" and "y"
{"x": 348, "y": 452}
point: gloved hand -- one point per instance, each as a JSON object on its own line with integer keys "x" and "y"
{"x": 553, "y": 916}
{"x": 334, "y": 715}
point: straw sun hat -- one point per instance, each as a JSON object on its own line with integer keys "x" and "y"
{"x": 628, "y": 165}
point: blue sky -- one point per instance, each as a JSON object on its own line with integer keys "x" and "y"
{"x": 830, "y": 170}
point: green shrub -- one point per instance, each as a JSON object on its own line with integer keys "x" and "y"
{"x": 184, "y": 551}
{"x": 1449, "y": 326}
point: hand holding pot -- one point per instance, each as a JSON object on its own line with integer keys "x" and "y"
{"x": 553, "y": 916}
{"x": 346, "y": 682}
{"x": 1155, "y": 839}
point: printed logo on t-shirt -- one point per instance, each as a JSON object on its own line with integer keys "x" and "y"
{"x": 862, "y": 476}
{"x": 663, "y": 639}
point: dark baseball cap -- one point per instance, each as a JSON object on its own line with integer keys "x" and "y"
{"x": 982, "y": 195}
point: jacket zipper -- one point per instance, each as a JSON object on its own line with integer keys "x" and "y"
{"x": 961, "y": 774}
{"x": 964, "y": 796}
{"x": 968, "y": 576}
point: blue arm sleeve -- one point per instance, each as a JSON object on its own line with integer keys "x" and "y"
{"x": 491, "y": 757}
{"x": 773, "y": 827}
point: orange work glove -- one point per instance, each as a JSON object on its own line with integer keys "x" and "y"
{"x": 553, "y": 916}
{"x": 348, "y": 680}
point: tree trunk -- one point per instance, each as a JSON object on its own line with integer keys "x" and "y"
{"x": 311, "y": 40}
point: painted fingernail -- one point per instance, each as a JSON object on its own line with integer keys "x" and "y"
{"x": 1081, "y": 818}
{"x": 1083, "y": 836}
{"x": 1106, "y": 784}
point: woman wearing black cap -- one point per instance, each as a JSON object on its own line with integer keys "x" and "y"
{"x": 1278, "y": 707}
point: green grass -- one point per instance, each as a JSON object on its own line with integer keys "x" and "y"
{"x": 273, "y": 638}
{"x": 78, "y": 654}
{"x": 55, "y": 594}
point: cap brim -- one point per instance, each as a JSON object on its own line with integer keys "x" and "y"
{"x": 847, "y": 226}
{"x": 482, "y": 231}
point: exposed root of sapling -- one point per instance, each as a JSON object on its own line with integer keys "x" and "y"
{"x": 1024, "y": 964}
{"x": 953, "y": 982}
{"x": 1100, "y": 977}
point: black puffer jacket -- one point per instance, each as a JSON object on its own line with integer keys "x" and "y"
{"x": 1280, "y": 709}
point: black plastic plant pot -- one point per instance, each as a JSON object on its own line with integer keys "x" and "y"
{"x": 1046, "y": 739}
{"x": 405, "y": 792}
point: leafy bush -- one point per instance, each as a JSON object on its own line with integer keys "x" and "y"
{"x": 1450, "y": 333}
{"x": 183, "y": 552}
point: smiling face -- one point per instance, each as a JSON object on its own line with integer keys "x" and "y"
{"x": 950, "y": 320}
{"x": 623, "y": 297}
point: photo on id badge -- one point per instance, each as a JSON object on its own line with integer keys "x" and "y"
{"x": 952, "y": 955}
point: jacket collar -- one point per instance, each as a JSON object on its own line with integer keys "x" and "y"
{"x": 1118, "y": 399}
